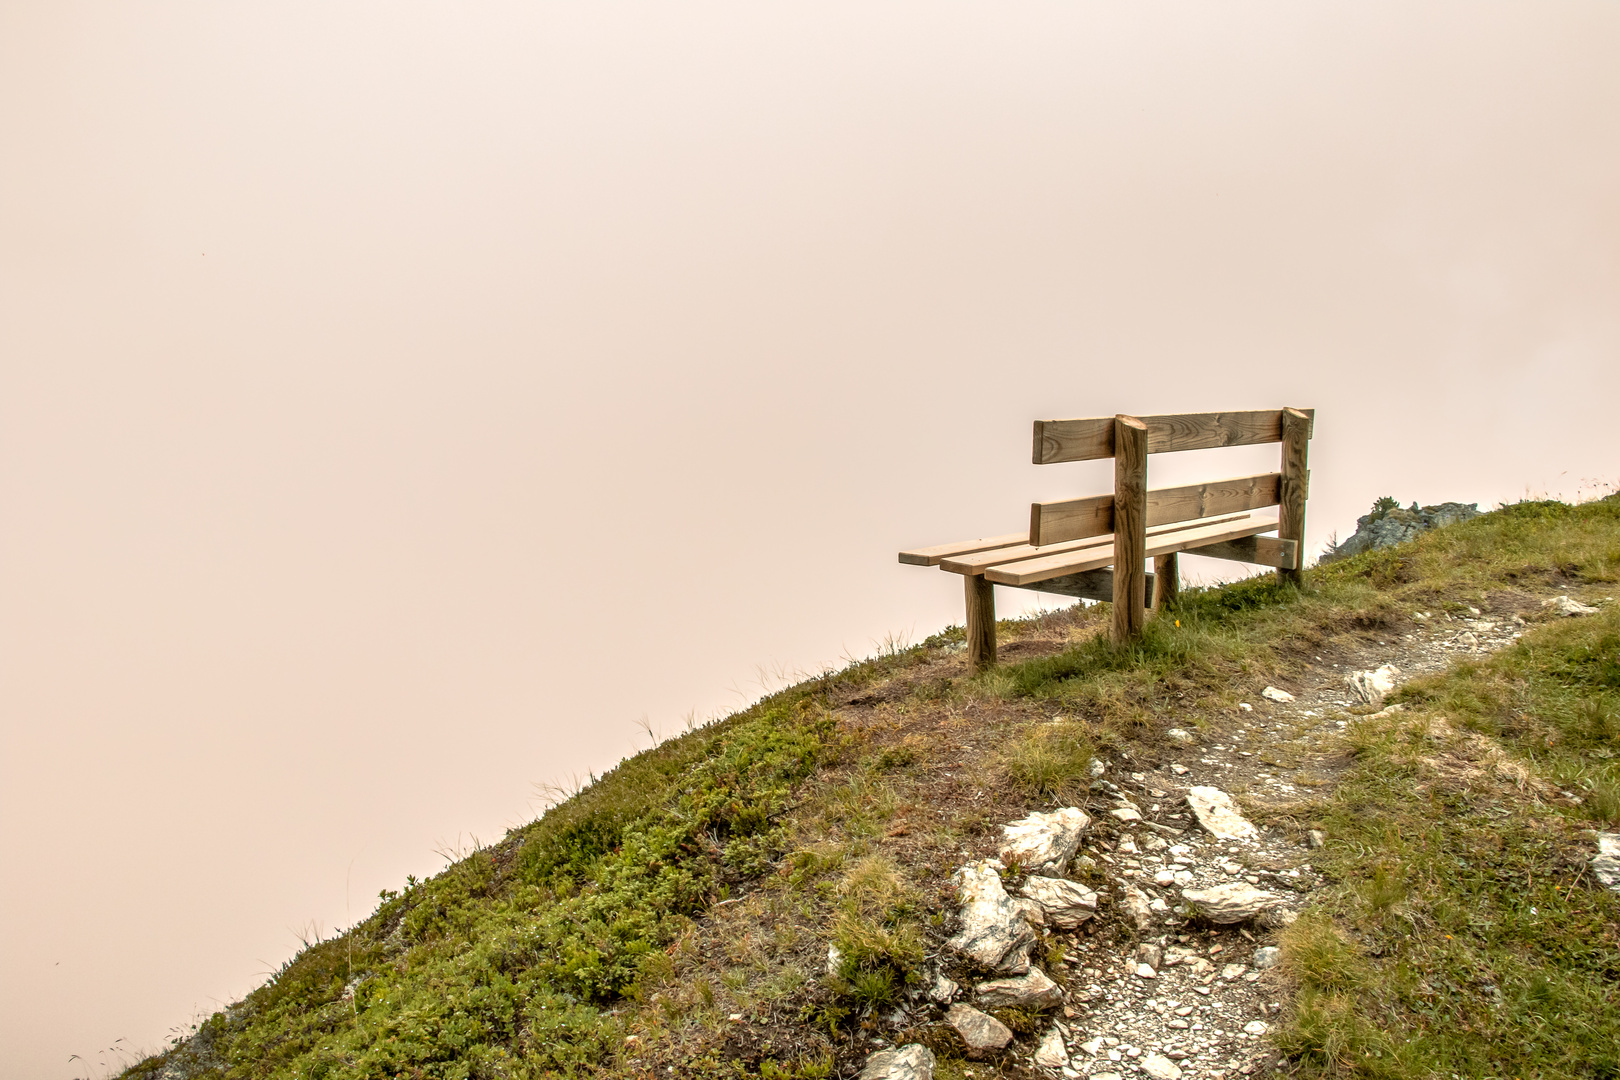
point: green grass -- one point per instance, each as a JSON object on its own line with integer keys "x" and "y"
{"x": 595, "y": 941}
{"x": 1462, "y": 934}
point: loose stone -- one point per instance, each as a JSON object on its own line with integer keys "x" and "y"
{"x": 1281, "y": 697}
{"x": 983, "y": 1034}
{"x": 1066, "y": 904}
{"x": 1052, "y": 1054}
{"x": 1034, "y": 990}
{"x": 911, "y": 1062}
{"x": 994, "y": 932}
{"x": 1233, "y": 903}
{"x": 1219, "y": 815}
{"x": 1044, "y": 843}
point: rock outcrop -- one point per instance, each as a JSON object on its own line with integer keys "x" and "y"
{"x": 1387, "y": 527}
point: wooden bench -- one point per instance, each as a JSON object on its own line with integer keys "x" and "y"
{"x": 1096, "y": 547}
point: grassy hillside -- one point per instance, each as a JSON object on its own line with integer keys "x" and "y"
{"x": 674, "y": 918}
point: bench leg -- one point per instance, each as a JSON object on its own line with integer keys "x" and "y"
{"x": 1166, "y": 580}
{"x": 1296, "y": 434}
{"x": 1130, "y": 527}
{"x": 981, "y": 622}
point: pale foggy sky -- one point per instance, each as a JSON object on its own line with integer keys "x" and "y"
{"x": 398, "y": 401}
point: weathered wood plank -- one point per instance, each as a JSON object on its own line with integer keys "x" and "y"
{"x": 1296, "y": 434}
{"x": 1075, "y": 519}
{"x": 1029, "y": 571}
{"x": 1091, "y": 585}
{"x": 931, "y": 556}
{"x": 974, "y": 562}
{"x": 1130, "y": 526}
{"x": 1260, "y": 550}
{"x": 1093, "y": 437}
{"x": 981, "y": 622}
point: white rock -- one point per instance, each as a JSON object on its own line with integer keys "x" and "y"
{"x": 994, "y": 931}
{"x": 834, "y": 959}
{"x": 1232, "y": 971}
{"x": 1281, "y": 697}
{"x": 1179, "y": 769}
{"x": 1372, "y": 687}
{"x": 1180, "y": 735}
{"x": 1606, "y": 864}
{"x": 1126, "y": 814}
{"x": 1160, "y": 1067}
{"x": 1564, "y": 605}
{"x": 1244, "y": 706}
{"x": 1136, "y": 906}
{"x": 1034, "y": 990}
{"x": 1164, "y": 878}
{"x": 1158, "y": 906}
{"x": 1092, "y": 1046}
{"x": 1219, "y": 815}
{"x": 1065, "y": 903}
{"x": 1044, "y": 843}
{"x": 1266, "y": 957}
{"x": 912, "y": 1062}
{"x": 1232, "y": 903}
{"x": 1052, "y": 1054}
{"x": 1097, "y": 767}
{"x": 1256, "y": 1027}
{"x": 943, "y": 990}
{"x": 980, "y": 1032}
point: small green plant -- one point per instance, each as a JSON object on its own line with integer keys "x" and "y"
{"x": 1048, "y": 762}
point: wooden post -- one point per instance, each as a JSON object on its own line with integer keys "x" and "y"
{"x": 981, "y": 622}
{"x": 1130, "y": 526}
{"x": 1166, "y": 580}
{"x": 1296, "y": 434}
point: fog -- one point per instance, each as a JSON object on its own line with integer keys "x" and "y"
{"x": 400, "y": 402}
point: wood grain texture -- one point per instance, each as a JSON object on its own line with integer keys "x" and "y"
{"x": 1130, "y": 526}
{"x": 1090, "y": 585}
{"x": 1093, "y": 437}
{"x": 981, "y": 622}
{"x": 1296, "y": 435}
{"x": 974, "y": 562}
{"x": 1165, "y": 583}
{"x": 1260, "y": 550}
{"x": 931, "y": 556}
{"x": 1030, "y": 571}
{"x": 1075, "y": 519}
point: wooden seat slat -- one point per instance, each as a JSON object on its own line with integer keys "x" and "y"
{"x": 1030, "y": 571}
{"x": 975, "y": 562}
{"x": 931, "y": 556}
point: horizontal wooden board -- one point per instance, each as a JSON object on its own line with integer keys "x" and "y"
{"x": 975, "y": 562}
{"x": 1260, "y": 550}
{"x": 930, "y": 556}
{"x": 1074, "y": 519}
{"x": 1090, "y": 585}
{"x": 1031, "y": 571}
{"x": 1093, "y": 437}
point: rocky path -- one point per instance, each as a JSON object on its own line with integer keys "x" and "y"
{"x": 1191, "y": 994}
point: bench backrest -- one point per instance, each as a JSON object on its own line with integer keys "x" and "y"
{"x": 1094, "y": 437}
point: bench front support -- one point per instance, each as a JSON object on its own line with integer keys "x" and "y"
{"x": 981, "y": 622}
{"x": 1130, "y": 526}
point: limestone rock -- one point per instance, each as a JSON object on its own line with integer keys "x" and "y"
{"x": 835, "y": 959}
{"x": 1256, "y": 1027}
{"x": 1266, "y": 957}
{"x": 1233, "y": 903}
{"x": 1136, "y": 906}
{"x": 1052, "y": 1054}
{"x": 943, "y": 990}
{"x": 1606, "y": 864}
{"x": 1034, "y": 990}
{"x": 1044, "y": 843}
{"x": 1160, "y": 1067}
{"x": 1180, "y": 735}
{"x": 1281, "y": 697}
{"x": 1564, "y": 605}
{"x": 1149, "y": 954}
{"x": 1372, "y": 687}
{"x": 1386, "y": 528}
{"x": 913, "y": 1062}
{"x": 983, "y": 1034}
{"x": 994, "y": 932}
{"x": 1065, "y": 903}
{"x": 1219, "y": 815}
